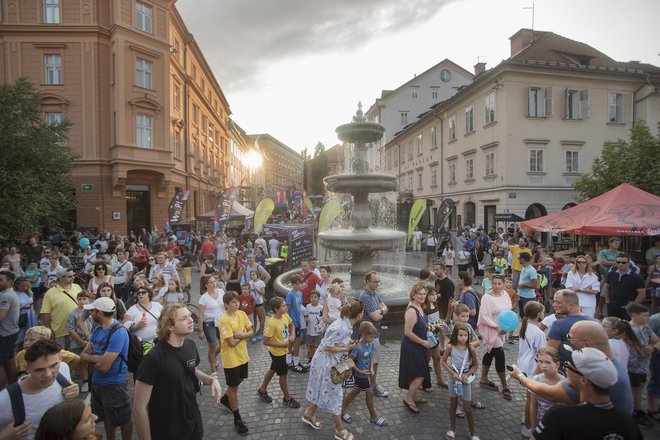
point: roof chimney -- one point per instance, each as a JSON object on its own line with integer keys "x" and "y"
{"x": 522, "y": 39}
{"x": 479, "y": 68}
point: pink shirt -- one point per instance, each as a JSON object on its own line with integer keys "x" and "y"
{"x": 491, "y": 306}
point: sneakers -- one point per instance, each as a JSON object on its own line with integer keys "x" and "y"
{"x": 241, "y": 428}
{"x": 260, "y": 337}
{"x": 300, "y": 369}
{"x": 525, "y": 431}
{"x": 380, "y": 391}
{"x": 224, "y": 400}
{"x": 291, "y": 403}
{"x": 264, "y": 396}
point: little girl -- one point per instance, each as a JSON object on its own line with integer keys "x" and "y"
{"x": 258, "y": 290}
{"x": 332, "y": 304}
{"x": 460, "y": 361}
{"x": 619, "y": 333}
{"x": 548, "y": 363}
{"x": 433, "y": 318}
{"x": 448, "y": 255}
{"x": 173, "y": 294}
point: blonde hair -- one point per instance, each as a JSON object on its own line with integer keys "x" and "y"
{"x": 39, "y": 332}
{"x": 367, "y": 329}
{"x": 589, "y": 269}
{"x": 167, "y": 319}
{"x": 334, "y": 289}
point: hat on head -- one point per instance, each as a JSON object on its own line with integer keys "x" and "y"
{"x": 60, "y": 272}
{"x": 103, "y": 304}
{"x": 592, "y": 364}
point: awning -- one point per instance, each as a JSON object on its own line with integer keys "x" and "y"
{"x": 508, "y": 218}
{"x": 237, "y": 211}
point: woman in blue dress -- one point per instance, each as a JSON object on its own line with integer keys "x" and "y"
{"x": 321, "y": 392}
{"x": 413, "y": 363}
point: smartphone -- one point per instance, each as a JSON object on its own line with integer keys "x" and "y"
{"x": 509, "y": 367}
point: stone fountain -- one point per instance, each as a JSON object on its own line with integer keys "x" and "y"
{"x": 361, "y": 240}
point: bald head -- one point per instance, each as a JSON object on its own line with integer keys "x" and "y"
{"x": 593, "y": 334}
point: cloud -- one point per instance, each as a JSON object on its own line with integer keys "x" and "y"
{"x": 241, "y": 38}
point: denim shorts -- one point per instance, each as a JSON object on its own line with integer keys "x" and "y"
{"x": 211, "y": 332}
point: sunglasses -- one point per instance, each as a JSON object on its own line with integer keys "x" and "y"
{"x": 142, "y": 292}
{"x": 621, "y": 262}
{"x": 568, "y": 366}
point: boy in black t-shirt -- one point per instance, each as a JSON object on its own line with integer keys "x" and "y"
{"x": 168, "y": 379}
{"x": 592, "y": 374}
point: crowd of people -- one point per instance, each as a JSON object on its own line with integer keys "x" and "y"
{"x": 60, "y": 336}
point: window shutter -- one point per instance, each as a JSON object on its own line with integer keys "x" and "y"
{"x": 548, "y": 101}
{"x": 566, "y": 103}
{"x": 584, "y": 104}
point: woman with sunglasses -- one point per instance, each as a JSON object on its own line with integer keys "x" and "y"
{"x": 100, "y": 276}
{"x": 583, "y": 281}
{"x": 142, "y": 318}
{"x": 148, "y": 269}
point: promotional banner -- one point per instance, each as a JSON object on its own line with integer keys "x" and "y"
{"x": 444, "y": 211}
{"x": 175, "y": 210}
{"x": 416, "y": 212}
{"x": 328, "y": 214}
{"x": 262, "y": 213}
{"x": 309, "y": 206}
{"x": 223, "y": 209}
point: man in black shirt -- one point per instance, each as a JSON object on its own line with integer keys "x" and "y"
{"x": 592, "y": 374}
{"x": 167, "y": 380}
{"x": 444, "y": 287}
{"x": 622, "y": 286}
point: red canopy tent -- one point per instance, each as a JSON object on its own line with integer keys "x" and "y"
{"x": 625, "y": 210}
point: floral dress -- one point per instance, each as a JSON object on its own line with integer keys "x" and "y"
{"x": 320, "y": 389}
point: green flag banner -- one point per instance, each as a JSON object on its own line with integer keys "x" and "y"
{"x": 262, "y": 213}
{"x": 416, "y": 212}
{"x": 309, "y": 205}
{"x": 328, "y": 214}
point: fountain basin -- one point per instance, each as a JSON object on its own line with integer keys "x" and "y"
{"x": 361, "y": 183}
{"x": 360, "y": 132}
{"x": 362, "y": 240}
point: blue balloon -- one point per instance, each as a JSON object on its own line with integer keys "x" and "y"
{"x": 84, "y": 242}
{"x": 95, "y": 251}
{"x": 508, "y": 320}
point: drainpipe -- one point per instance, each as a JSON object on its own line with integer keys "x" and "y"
{"x": 186, "y": 130}
{"x": 442, "y": 158}
{"x": 635, "y": 101}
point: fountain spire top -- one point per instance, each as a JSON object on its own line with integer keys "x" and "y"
{"x": 359, "y": 116}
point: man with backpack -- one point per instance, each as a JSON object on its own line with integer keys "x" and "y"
{"x": 108, "y": 351}
{"x": 47, "y": 383}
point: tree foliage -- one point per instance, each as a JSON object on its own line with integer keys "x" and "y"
{"x": 634, "y": 161}
{"x": 35, "y": 165}
{"x": 319, "y": 164}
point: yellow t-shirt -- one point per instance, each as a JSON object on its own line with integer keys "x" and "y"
{"x": 278, "y": 330}
{"x": 59, "y": 305}
{"x": 515, "y": 253}
{"x": 228, "y": 325}
{"x": 67, "y": 357}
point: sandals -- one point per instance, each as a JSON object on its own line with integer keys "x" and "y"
{"x": 346, "y": 417}
{"x": 490, "y": 385}
{"x": 477, "y": 404}
{"x": 451, "y": 435}
{"x": 411, "y": 406}
{"x": 443, "y": 385}
{"x": 312, "y": 422}
{"x": 421, "y": 401}
{"x": 427, "y": 390}
{"x": 344, "y": 435}
{"x": 380, "y": 422}
{"x": 506, "y": 393}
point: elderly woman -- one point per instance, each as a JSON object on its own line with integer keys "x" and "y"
{"x": 583, "y": 281}
{"x": 321, "y": 392}
{"x": 413, "y": 363}
{"x": 142, "y": 318}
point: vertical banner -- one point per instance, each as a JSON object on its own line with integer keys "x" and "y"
{"x": 444, "y": 211}
{"x": 262, "y": 212}
{"x": 303, "y": 205}
{"x": 328, "y": 214}
{"x": 223, "y": 209}
{"x": 416, "y": 211}
{"x": 174, "y": 211}
{"x": 309, "y": 206}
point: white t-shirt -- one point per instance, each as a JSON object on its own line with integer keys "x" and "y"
{"x": 323, "y": 291}
{"x": 121, "y": 270}
{"x": 35, "y": 404}
{"x": 315, "y": 324}
{"x": 334, "y": 308}
{"x": 527, "y": 348}
{"x": 254, "y": 286}
{"x": 213, "y": 308}
{"x": 620, "y": 350}
{"x": 147, "y": 333}
{"x": 548, "y": 321}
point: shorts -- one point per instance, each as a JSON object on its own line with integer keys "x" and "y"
{"x": 76, "y": 350}
{"x": 467, "y": 389}
{"x": 7, "y": 347}
{"x": 655, "y": 292}
{"x": 211, "y": 332}
{"x": 64, "y": 341}
{"x": 637, "y": 379}
{"x": 375, "y": 354}
{"x": 112, "y": 403}
{"x": 364, "y": 383}
{"x": 234, "y": 376}
{"x": 314, "y": 340}
{"x": 278, "y": 364}
{"x": 301, "y": 333}
{"x": 258, "y": 305}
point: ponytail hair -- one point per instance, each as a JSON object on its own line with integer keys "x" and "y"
{"x": 532, "y": 310}
{"x": 351, "y": 310}
{"x": 631, "y": 338}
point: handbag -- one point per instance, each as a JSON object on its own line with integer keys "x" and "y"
{"x": 342, "y": 371}
{"x": 432, "y": 339}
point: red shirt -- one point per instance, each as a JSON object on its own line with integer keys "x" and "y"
{"x": 309, "y": 283}
{"x": 207, "y": 248}
{"x": 141, "y": 255}
{"x": 247, "y": 303}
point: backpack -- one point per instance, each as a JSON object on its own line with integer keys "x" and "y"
{"x": 16, "y": 398}
{"x": 135, "y": 349}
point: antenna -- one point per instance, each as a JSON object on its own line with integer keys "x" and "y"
{"x": 480, "y": 57}
{"x": 533, "y": 10}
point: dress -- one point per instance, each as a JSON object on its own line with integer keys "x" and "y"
{"x": 320, "y": 389}
{"x": 413, "y": 361}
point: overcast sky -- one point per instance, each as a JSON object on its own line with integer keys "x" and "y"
{"x": 297, "y": 68}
